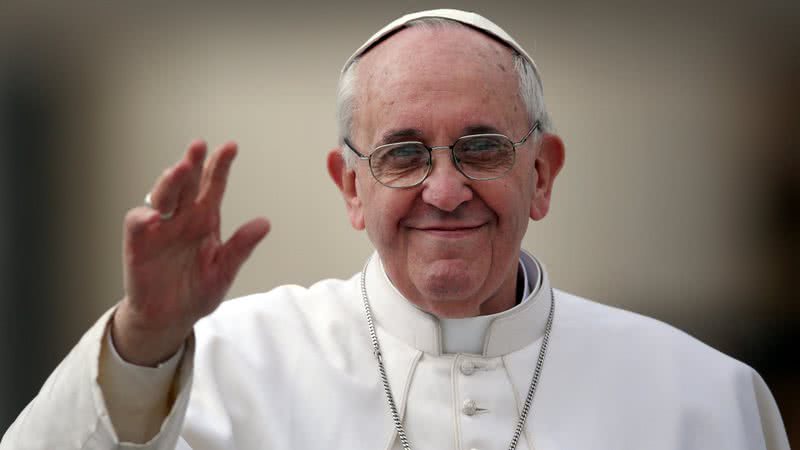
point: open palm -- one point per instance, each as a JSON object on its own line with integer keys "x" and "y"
{"x": 177, "y": 269}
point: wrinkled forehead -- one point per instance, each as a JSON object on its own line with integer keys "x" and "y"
{"x": 434, "y": 58}
{"x": 478, "y": 43}
{"x": 470, "y": 19}
{"x": 426, "y": 47}
{"x": 437, "y": 78}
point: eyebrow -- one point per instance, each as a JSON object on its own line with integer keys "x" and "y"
{"x": 401, "y": 134}
{"x": 480, "y": 129}
{"x": 415, "y": 134}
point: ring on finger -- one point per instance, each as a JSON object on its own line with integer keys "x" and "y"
{"x": 149, "y": 203}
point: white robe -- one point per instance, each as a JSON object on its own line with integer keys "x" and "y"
{"x": 294, "y": 369}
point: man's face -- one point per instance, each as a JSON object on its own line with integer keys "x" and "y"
{"x": 450, "y": 245}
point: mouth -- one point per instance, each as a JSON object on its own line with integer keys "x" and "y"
{"x": 451, "y": 231}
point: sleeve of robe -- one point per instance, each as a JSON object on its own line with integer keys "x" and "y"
{"x": 775, "y": 437}
{"x": 70, "y": 411}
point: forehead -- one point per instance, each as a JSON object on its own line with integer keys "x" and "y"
{"x": 427, "y": 77}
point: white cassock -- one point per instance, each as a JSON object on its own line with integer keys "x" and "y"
{"x": 294, "y": 369}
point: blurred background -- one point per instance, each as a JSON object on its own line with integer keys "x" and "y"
{"x": 680, "y": 197}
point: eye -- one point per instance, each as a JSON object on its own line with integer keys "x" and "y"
{"x": 404, "y": 151}
{"x": 398, "y": 158}
{"x": 481, "y": 149}
{"x": 400, "y": 155}
{"x": 486, "y": 156}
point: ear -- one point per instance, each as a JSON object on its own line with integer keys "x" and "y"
{"x": 345, "y": 179}
{"x": 549, "y": 161}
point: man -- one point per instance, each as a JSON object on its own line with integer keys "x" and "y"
{"x": 451, "y": 337}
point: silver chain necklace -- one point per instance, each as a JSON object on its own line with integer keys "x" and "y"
{"x": 398, "y": 424}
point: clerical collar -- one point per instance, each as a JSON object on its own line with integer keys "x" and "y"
{"x": 491, "y": 335}
{"x": 466, "y": 335}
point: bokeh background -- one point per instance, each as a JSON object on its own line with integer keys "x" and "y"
{"x": 680, "y": 197}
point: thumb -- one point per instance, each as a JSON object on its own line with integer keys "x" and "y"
{"x": 239, "y": 246}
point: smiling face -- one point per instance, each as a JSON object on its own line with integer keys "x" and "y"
{"x": 450, "y": 245}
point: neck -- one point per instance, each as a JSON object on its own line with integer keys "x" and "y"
{"x": 467, "y": 335}
{"x": 507, "y": 296}
{"x": 490, "y": 335}
{"x": 503, "y": 299}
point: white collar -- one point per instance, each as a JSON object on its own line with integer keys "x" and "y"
{"x": 493, "y": 335}
{"x": 466, "y": 335}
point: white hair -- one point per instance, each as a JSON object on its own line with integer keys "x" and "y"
{"x": 530, "y": 88}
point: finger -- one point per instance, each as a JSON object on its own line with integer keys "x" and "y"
{"x": 165, "y": 192}
{"x": 239, "y": 246}
{"x": 139, "y": 219}
{"x": 195, "y": 156}
{"x": 215, "y": 175}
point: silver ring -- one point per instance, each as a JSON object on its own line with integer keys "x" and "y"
{"x": 149, "y": 203}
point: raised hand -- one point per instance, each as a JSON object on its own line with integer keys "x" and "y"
{"x": 177, "y": 269}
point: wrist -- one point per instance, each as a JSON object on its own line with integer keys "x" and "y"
{"x": 143, "y": 345}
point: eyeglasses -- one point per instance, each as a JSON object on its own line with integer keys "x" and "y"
{"x": 477, "y": 156}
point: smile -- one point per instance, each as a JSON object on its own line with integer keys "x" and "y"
{"x": 451, "y": 231}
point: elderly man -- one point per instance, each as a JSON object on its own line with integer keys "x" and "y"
{"x": 450, "y": 338}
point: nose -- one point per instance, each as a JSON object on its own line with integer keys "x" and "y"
{"x": 445, "y": 188}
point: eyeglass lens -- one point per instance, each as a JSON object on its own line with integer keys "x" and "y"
{"x": 480, "y": 157}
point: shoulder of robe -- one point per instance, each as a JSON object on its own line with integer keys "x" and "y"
{"x": 258, "y": 357}
{"x": 649, "y": 369}
{"x": 631, "y": 338}
{"x": 329, "y": 308}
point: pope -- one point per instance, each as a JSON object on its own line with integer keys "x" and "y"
{"x": 451, "y": 337}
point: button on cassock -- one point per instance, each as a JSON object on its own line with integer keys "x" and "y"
{"x": 467, "y": 368}
{"x": 469, "y": 407}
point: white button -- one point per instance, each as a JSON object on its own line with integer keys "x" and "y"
{"x": 469, "y": 407}
{"x": 468, "y": 368}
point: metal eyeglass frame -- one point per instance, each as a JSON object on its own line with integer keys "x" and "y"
{"x": 536, "y": 125}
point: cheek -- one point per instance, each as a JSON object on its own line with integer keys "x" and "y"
{"x": 511, "y": 203}
{"x": 384, "y": 210}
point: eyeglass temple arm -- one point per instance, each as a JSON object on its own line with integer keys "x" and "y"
{"x": 353, "y": 149}
{"x": 535, "y": 126}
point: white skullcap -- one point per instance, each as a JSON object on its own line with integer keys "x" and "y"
{"x": 468, "y": 18}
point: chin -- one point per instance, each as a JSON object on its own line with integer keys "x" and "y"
{"x": 449, "y": 281}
